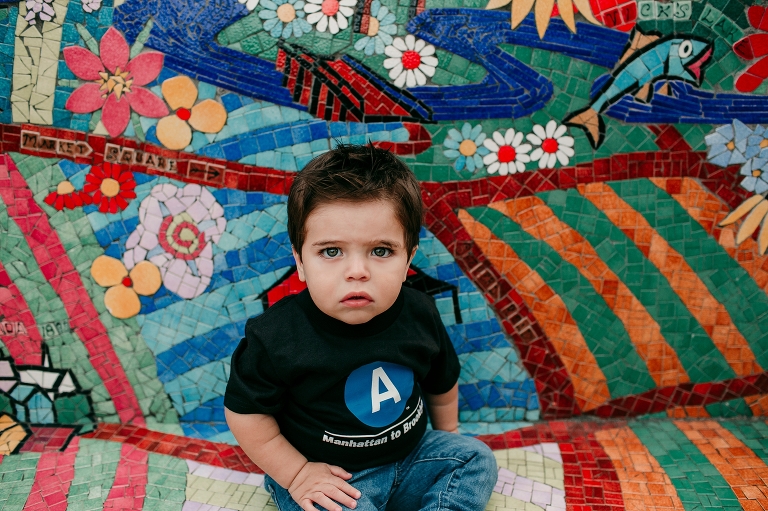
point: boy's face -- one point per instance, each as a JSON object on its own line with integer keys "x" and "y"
{"x": 354, "y": 259}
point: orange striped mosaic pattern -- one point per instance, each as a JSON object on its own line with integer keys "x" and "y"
{"x": 710, "y": 313}
{"x": 589, "y": 384}
{"x": 707, "y": 209}
{"x": 644, "y": 484}
{"x": 538, "y": 220}
{"x": 744, "y": 471}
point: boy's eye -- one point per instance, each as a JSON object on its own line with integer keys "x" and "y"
{"x": 381, "y": 252}
{"x": 331, "y": 252}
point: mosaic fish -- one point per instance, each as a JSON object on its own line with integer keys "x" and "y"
{"x": 647, "y": 59}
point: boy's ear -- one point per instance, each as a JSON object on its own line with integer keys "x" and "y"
{"x": 299, "y": 264}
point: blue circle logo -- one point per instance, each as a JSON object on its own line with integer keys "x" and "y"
{"x": 376, "y": 393}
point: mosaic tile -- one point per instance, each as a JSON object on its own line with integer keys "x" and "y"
{"x": 589, "y": 385}
{"x": 590, "y": 313}
{"x": 708, "y": 263}
{"x": 686, "y": 283}
{"x": 710, "y": 365}
{"x": 657, "y": 355}
{"x": 628, "y": 281}
{"x": 79, "y": 232}
{"x": 697, "y": 481}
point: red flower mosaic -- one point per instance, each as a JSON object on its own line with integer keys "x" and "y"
{"x": 754, "y": 46}
{"x": 111, "y": 187}
{"x": 114, "y": 82}
{"x": 66, "y": 196}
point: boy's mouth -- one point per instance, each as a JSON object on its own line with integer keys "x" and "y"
{"x": 357, "y": 299}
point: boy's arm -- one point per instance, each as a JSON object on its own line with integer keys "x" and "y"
{"x": 444, "y": 410}
{"x": 260, "y": 438}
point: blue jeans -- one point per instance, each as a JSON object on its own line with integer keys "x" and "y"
{"x": 445, "y": 471}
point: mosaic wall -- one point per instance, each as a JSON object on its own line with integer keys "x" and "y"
{"x": 594, "y": 173}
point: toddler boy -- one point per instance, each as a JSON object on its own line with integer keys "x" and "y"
{"x": 330, "y": 389}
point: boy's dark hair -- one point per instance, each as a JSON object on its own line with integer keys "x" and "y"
{"x": 355, "y": 173}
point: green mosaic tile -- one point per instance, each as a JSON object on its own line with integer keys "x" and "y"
{"x": 95, "y": 468}
{"x": 728, "y": 282}
{"x": 754, "y": 434}
{"x": 696, "y": 351}
{"x": 451, "y": 4}
{"x": 166, "y": 483}
{"x": 732, "y": 408}
{"x": 73, "y": 409}
{"x": 17, "y": 474}
{"x": 697, "y": 482}
{"x": 694, "y": 134}
{"x": 624, "y": 370}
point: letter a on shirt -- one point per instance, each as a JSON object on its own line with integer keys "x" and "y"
{"x": 377, "y": 393}
{"x": 378, "y": 375}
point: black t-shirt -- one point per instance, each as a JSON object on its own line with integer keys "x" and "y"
{"x": 347, "y": 395}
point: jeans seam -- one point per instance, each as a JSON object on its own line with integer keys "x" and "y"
{"x": 447, "y": 489}
{"x": 463, "y": 462}
{"x": 274, "y": 498}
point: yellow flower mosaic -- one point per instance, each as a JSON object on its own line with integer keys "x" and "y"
{"x": 122, "y": 297}
{"x": 208, "y": 116}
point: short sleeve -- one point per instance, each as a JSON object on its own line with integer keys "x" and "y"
{"x": 254, "y": 385}
{"x": 445, "y": 368}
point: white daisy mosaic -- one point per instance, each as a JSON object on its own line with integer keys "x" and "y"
{"x": 410, "y": 61}
{"x": 330, "y": 15}
{"x": 553, "y": 145}
{"x": 506, "y": 151}
{"x": 508, "y": 155}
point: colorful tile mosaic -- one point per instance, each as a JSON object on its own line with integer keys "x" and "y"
{"x": 595, "y": 236}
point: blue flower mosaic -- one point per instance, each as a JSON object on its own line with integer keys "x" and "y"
{"x": 737, "y": 143}
{"x": 284, "y": 18}
{"x": 728, "y": 144}
{"x": 381, "y": 28}
{"x": 756, "y": 142}
{"x": 756, "y": 170}
{"x": 466, "y": 146}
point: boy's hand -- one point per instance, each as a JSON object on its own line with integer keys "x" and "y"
{"x": 319, "y": 483}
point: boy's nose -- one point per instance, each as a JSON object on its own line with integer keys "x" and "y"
{"x": 357, "y": 269}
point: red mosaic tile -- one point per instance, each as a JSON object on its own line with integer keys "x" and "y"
{"x": 689, "y": 394}
{"x": 48, "y": 438}
{"x": 129, "y": 487}
{"x": 201, "y": 451}
{"x": 53, "y": 477}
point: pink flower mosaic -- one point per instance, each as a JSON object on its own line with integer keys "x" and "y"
{"x": 114, "y": 83}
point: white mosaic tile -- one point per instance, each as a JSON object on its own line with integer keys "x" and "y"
{"x": 36, "y": 66}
